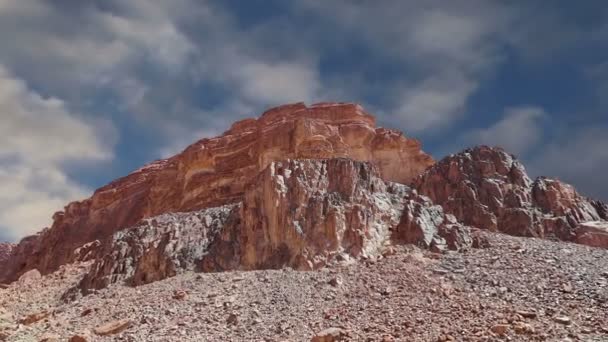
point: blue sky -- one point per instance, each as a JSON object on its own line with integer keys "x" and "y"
{"x": 91, "y": 90}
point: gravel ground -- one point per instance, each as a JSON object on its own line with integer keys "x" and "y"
{"x": 516, "y": 290}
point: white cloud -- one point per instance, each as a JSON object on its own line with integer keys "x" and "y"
{"x": 519, "y": 130}
{"x": 446, "y": 50}
{"x": 434, "y": 103}
{"x": 578, "y": 156}
{"x": 277, "y": 83}
{"x": 37, "y": 136}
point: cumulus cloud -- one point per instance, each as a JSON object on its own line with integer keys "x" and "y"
{"x": 37, "y": 136}
{"x": 434, "y": 103}
{"x": 445, "y": 50}
{"x": 578, "y": 156}
{"x": 519, "y": 130}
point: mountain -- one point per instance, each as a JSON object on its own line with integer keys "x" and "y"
{"x": 216, "y": 171}
{"x": 308, "y": 188}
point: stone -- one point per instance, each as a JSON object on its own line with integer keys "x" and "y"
{"x": 113, "y": 327}
{"x": 34, "y": 317}
{"x": 214, "y": 172}
{"x": 488, "y": 188}
{"x": 79, "y": 338}
{"x": 523, "y": 328}
{"x": 179, "y": 294}
{"x": 335, "y": 281}
{"x": 526, "y": 314}
{"x": 232, "y": 319}
{"x": 565, "y": 320}
{"x": 330, "y": 335}
{"x": 500, "y": 329}
{"x": 29, "y": 277}
{"x": 50, "y": 338}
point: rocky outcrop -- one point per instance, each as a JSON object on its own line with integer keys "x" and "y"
{"x": 488, "y": 188}
{"x": 308, "y": 213}
{"x": 426, "y": 225}
{"x": 6, "y": 250}
{"x": 159, "y": 247}
{"x": 593, "y": 234}
{"x": 303, "y": 214}
{"x": 214, "y": 172}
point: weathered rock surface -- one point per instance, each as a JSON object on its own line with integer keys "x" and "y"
{"x": 426, "y": 225}
{"x": 5, "y": 251}
{"x": 215, "y": 172}
{"x": 159, "y": 247}
{"x": 488, "y": 188}
{"x": 303, "y": 214}
{"x": 306, "y": 214}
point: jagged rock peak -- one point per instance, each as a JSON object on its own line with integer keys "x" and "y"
{"x": 488, "y": 188}
{"x": 216, "y": 171}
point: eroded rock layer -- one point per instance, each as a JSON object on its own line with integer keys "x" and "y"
{"x": 214, "y": 172}
{"x": 488, "y": 188}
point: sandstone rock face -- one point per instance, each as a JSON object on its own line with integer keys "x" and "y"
{"x": 303, "y": 214}
{"x": 308, "y": 213}
{"x": 488, "y": 188}
{"x": 214, "y": 172}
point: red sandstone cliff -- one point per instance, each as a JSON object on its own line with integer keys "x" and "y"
{"x": 216, "y": 171}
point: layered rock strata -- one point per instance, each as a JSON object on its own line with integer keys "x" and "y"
{"x": 214, "y": 172}
{"x": 488, "y": 188}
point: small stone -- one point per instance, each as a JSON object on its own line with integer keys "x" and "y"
{"x": 330, "y": 335}
{"x": 500, "y": 329}
{"x": 86, "y": 312}
{"x": 526, "y": 314}
{"x": 113, "y": 327}
{"x": 50, "y": 338}
{"x": 35, "y": 317}
{"x": 335, "y": 282}
{"x": 179, "y": 294}
{"x": 567, "y": 288}
{"x": 232, "y": 319}
{"x": 565, "y": 320}
{"x": 523, "y": 328}
{"x": 78, "y": 338}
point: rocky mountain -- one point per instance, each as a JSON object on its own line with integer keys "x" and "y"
{"x": 301, "y": 187}
{"x": 311, "y": 188}
{"x": 213, "y": 172}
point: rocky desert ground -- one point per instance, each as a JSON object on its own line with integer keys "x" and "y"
{"x": 514, "y": 289}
